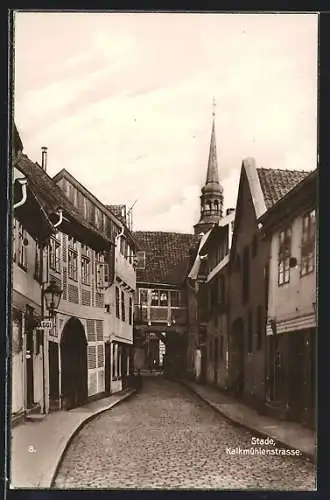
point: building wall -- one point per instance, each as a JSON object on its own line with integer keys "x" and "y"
{"x": 26, "y": 293}
{"x": 85, "y": 302}
{"x": 253, "y": 354}
{"x": 292, "y": 300}
{"x": 192, "y": 369}
{"x": 291, "y": 334}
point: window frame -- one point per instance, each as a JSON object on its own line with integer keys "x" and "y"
{"x": 22, "y": 258}
{"x": 85, "y": 265}
{"x": 284, "y": 255}
{"x": 54, "y": 252}
{"x": 308, "y": 241}
{"x": 73, "y": 264}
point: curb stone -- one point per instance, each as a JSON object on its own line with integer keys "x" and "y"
{"x": 309, "y": 456}
{"x": 81, "y": 425}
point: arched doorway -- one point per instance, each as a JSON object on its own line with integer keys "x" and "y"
{"x": 74, "y": 364}
{"x": 238, "y": 357}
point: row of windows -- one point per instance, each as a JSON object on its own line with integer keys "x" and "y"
{"x": 84, "y": 259}
{"x": 121, "y": 306}
{"x": 160, "y": 298}
{"x": 285, "y": 261}
{"x": 98, "y": 219}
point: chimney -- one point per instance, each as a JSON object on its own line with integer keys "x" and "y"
{"x": 230, "y": 210}
{"x": 44, "y": 158}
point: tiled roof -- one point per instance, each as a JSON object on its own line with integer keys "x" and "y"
{"x": 51, "y": 197}
{"x": 276, "y": 183}
{"x": 167, "y": 256}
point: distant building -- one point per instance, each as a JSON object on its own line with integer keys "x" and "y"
{"x": 161, "y": 302}
{"x": 290, "y": 226}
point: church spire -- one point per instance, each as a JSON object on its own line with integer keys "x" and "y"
{"x": 212, "y": 176}
{"x": 212, "y": 191}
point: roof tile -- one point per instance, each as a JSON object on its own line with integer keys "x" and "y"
{"x": 167, "y": 256}
{"x": 276, "y": 183}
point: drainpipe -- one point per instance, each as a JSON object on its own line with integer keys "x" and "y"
{"x": 42, "y": 310}
{"x": 60, "y": 214}
{"x": 120, "y": 234}
{"x": 23, "y": 182}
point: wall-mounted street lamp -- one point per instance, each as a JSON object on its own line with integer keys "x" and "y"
{"x": 52, "y": 295}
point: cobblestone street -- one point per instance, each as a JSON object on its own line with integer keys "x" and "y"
{"x": 165, "y": 437}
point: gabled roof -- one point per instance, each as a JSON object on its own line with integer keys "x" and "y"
{"x": 51, "y": 198}
{"x": 193, "y": 274}
{"x": 276, "y": 183}
{"x": 294, "y": 202}
{"x": 30, "y": 213}
{"x": 16, "y": 142}
{"x": 64, "y": 174}
{"x": 167, "y": 256}
{"x": 267, "y": 187}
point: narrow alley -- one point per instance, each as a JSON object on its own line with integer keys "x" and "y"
{"x": 165, "y": 437}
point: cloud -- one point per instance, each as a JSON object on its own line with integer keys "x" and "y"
{"x": 123, "y": 101}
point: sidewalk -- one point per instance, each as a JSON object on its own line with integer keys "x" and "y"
{"x": 288, "y": 434}
{"x": 37, "y": 447}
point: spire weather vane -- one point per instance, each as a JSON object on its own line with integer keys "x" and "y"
{"x": 213, "y": 107}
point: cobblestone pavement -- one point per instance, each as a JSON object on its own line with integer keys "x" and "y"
{"x": 165, "y": 437}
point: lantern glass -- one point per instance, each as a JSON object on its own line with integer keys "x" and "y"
{"x": 52, "y": 296}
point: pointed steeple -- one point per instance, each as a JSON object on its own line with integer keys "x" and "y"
{"x": 212, "y": 191}
{"x": 212, "y": 176}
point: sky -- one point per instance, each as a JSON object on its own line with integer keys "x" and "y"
{"x": 123, "y": 101}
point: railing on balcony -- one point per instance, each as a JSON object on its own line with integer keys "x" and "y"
{"x": 144, "y": 314}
